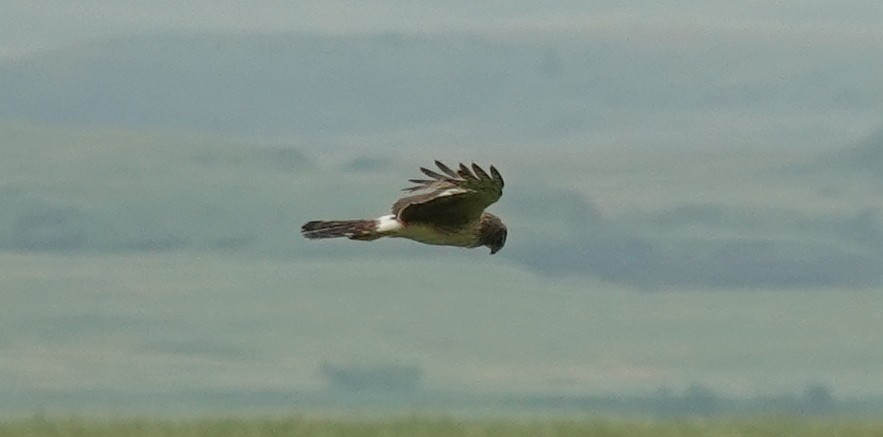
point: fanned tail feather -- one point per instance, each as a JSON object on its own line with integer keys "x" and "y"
{"x": 352, "y": 229}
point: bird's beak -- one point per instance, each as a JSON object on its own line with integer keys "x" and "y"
{"x": 493, "y": 251}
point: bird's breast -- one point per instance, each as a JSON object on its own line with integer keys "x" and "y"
{"x": 461, "y": 237}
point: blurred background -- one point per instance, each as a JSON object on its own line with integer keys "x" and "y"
{"x": 693, "y": 195}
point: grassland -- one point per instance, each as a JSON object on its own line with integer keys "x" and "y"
{"x": 427, "y": 427}
{"x": 142, "y": 265}
{"x": 151, "y": 323}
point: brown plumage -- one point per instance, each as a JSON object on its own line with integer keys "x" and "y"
{"x": 354, "y": 229}
{"x": 446, "y": 209}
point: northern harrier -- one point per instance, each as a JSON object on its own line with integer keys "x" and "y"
{"x": 449, "y": 211}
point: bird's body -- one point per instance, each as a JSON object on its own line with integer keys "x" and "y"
{"x": 448, "y": 210}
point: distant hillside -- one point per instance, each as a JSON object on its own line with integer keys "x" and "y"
{"x": 91, "y": 192}
{"x": 865, "y": 157}
{"x": 446, "y": 88}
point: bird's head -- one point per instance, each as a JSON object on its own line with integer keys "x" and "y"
{"x": 492, "y": 232}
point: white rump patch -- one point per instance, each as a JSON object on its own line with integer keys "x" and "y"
{"x": 451, "y": 192}
{"x": 388, "y": 224}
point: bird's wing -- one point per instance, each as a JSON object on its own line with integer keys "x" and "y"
{"x": 450, "y": 198}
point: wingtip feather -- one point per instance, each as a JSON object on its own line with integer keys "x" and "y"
{"x": 431, "y": 173}
{"x": 497, "y": 177}
{"x": 480, "y": 172}
{"x": 444, "y": 168}
{"x": 465, "y": 173}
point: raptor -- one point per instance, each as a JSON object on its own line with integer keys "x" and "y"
{"x": 447, "y": 209}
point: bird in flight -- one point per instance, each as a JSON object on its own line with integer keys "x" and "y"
{"x": 447, "y": 209}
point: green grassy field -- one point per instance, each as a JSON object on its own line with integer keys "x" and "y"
{"x": 420, "y": 426}
{"x": 143, "y": 266}
{"x": 151, "y": 323}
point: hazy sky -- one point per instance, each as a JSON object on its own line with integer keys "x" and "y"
{"x": 604, "y": 119}
{"x": 27, "y": 25}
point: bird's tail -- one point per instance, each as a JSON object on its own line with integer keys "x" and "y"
{"x": 352, "y": 229}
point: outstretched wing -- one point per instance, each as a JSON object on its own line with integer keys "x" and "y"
{"x": 450, "y": 198}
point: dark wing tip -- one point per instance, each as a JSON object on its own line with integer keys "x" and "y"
{"x": 447, "y": 170}
{"x": 432, "y": 174}
{"x": 480, "y": 172}
{"x": 465, "y": 173}
{"x": 497, "y": 177}
{"x": 419, "y": 184}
